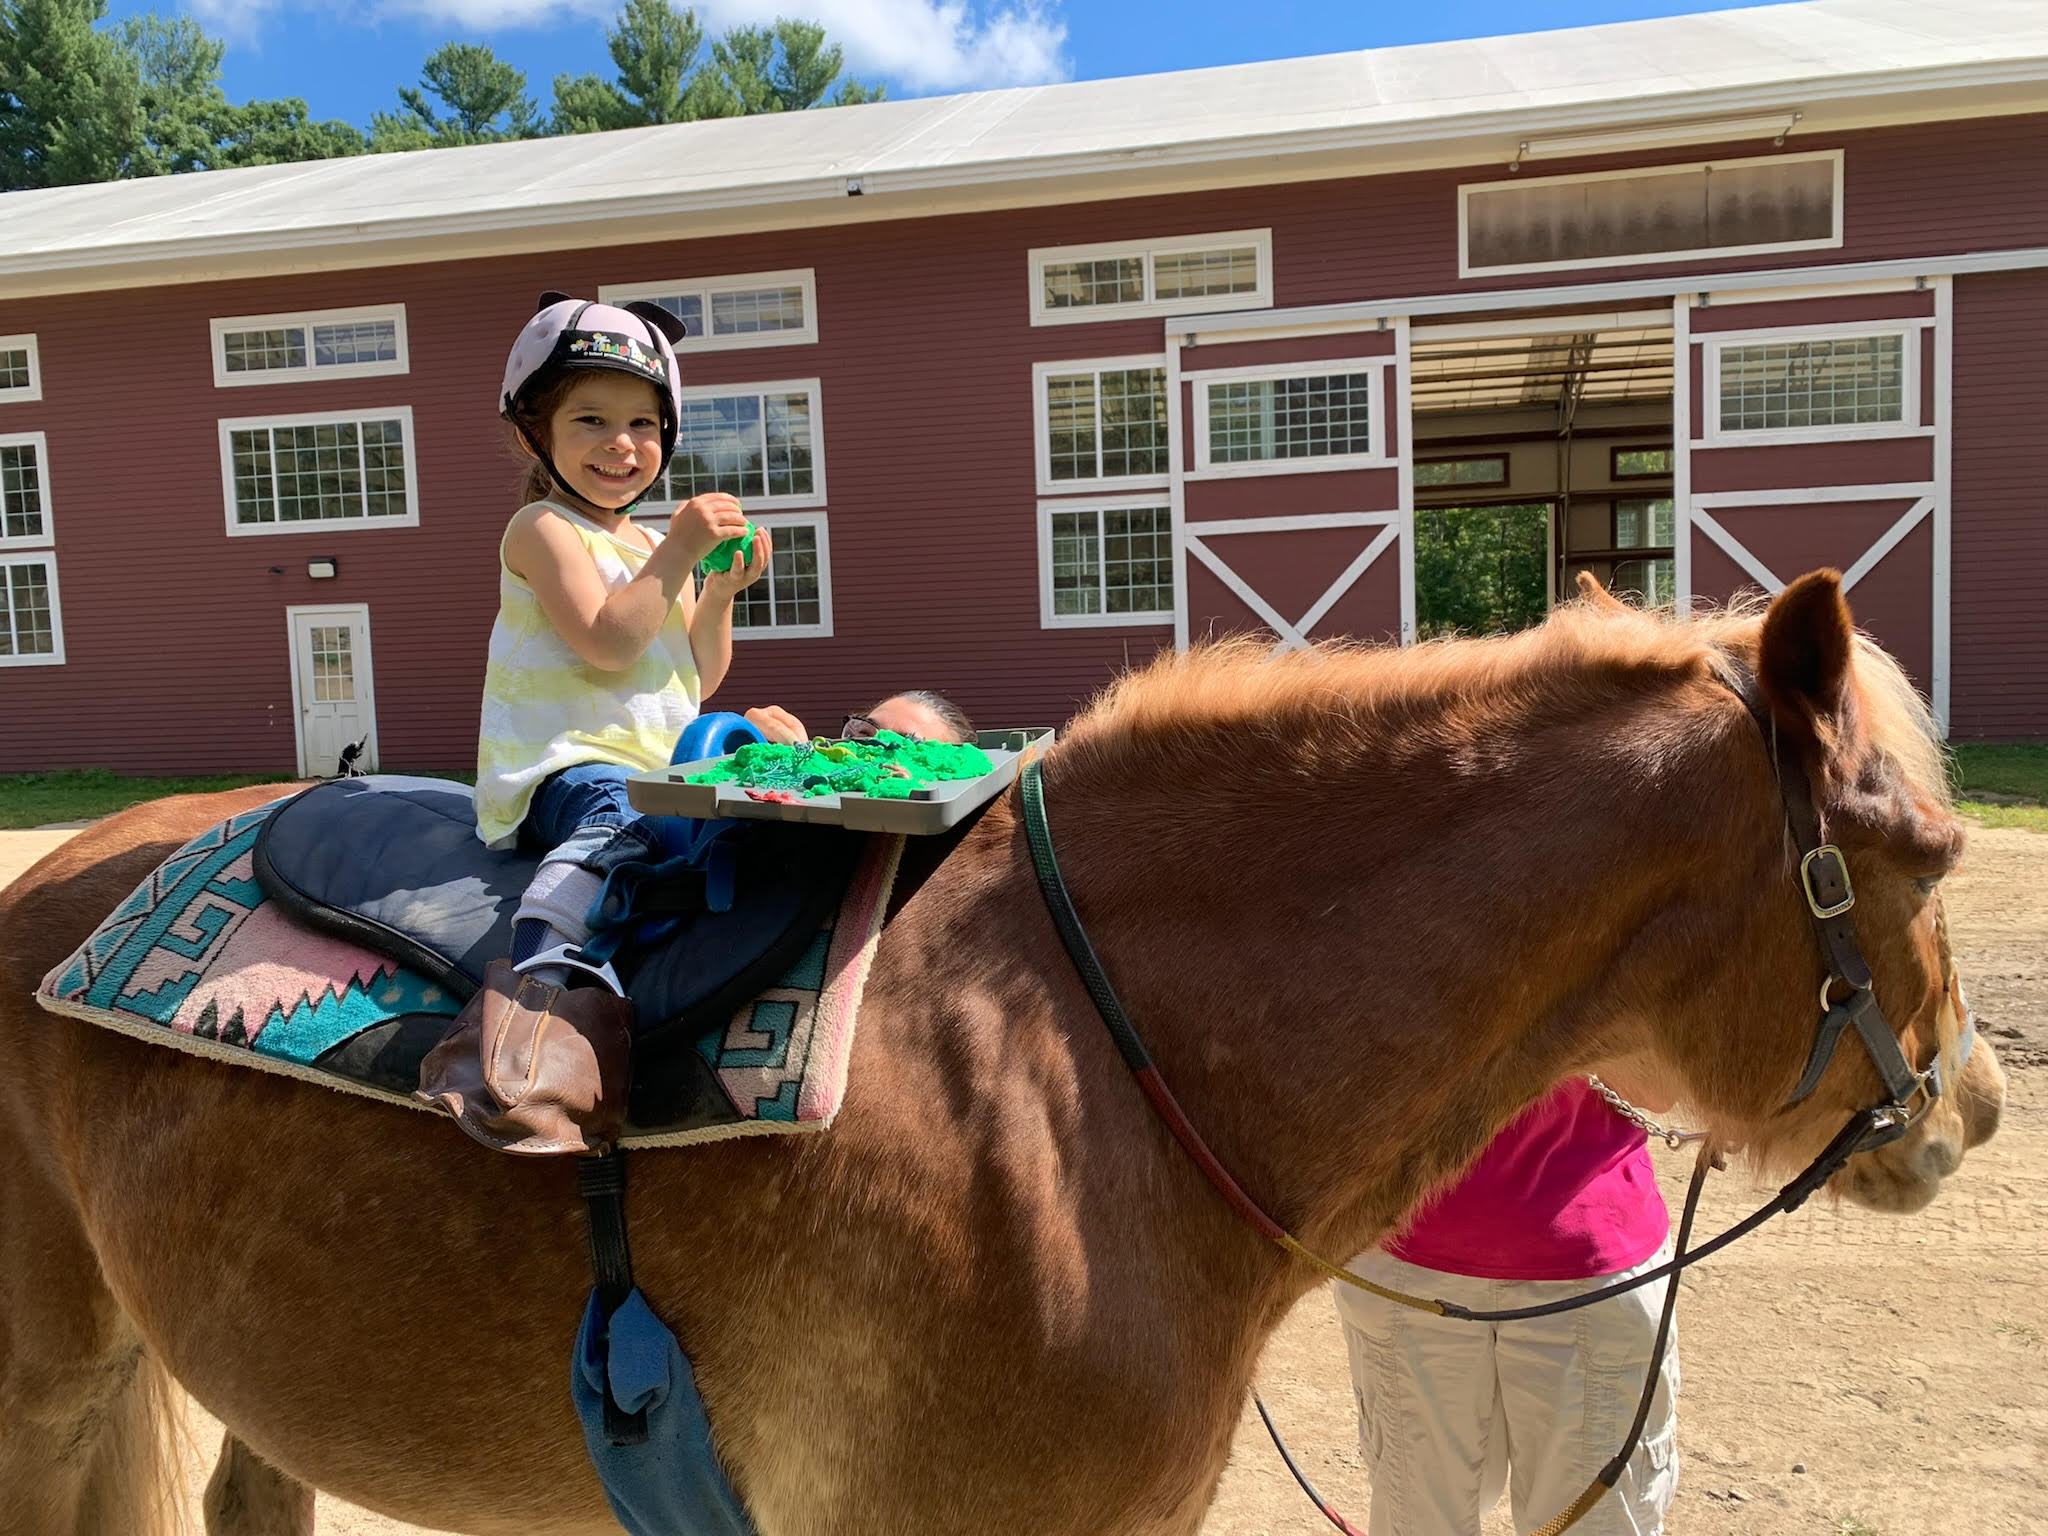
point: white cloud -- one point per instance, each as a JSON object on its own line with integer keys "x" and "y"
{"x": 926, "y": 45}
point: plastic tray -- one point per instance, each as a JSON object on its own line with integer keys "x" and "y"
{"x": 662, "y": 792}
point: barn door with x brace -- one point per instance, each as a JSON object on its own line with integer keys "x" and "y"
{"x": 1819, "y": 436}
{"x": 1292, "y": 484}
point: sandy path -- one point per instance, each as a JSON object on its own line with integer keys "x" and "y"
{"x": 1903, "y": 1363}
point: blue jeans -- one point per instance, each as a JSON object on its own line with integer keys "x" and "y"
{"x": 583, "y": 811}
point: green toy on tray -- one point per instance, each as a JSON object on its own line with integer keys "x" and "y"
{"x": 724, "y": 554}
{"x": 887, "y": 767}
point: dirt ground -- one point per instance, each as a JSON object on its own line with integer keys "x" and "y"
{"x": 1846, "y": 1373}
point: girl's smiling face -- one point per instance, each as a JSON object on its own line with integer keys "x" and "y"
{"x": 605, "y": 437}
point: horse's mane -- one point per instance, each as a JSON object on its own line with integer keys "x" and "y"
{"x": 1345, "y": 698}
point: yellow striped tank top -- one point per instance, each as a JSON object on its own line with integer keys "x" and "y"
{"x": 546, "y": 708}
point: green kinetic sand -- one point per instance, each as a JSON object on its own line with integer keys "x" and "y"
{"x": 890, "y": 767}
{"x": 724, "y": 554}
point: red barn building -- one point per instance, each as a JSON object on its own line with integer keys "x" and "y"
{"x": 1031, "y": 383}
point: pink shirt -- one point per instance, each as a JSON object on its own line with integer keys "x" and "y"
{"x": 1565, "y": 1192}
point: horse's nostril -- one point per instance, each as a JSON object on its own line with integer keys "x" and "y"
{"x": 1939, "y": 1158}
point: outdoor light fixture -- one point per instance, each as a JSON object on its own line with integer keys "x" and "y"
{"x": 1773, "y": 126}
{"x": 321, "y": 567}
{"x": 854, "y": 186}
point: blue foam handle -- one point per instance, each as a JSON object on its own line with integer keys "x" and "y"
{"x": 713, "y": 735}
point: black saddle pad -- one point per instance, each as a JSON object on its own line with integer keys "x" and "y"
{"x": 394, "y": 864}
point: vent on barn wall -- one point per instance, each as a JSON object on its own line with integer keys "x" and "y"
{"x": 1783, "y": 203}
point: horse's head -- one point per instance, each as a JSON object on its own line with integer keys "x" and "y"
{"x": 1841, "y": 995}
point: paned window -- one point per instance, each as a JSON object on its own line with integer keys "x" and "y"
{"x": 1110, "y": 562}
{"x": 1652, "y": 582}
{"x": 1645, "y": 523}
{"x": 20, "y": 378}
{"x": 24, "y": 490}
{"x": 31, "y": 632}
{"x": 1491, "y": 469}
{"x": 1110, "y": 282}
{"x": 1727, "y": 207}
{"x": 299, "y": 471}
{"x": 1104, "y": 423}
{"x": 1825, "y": 382}
{"x": 342, "y": 343}
{"x": 758, "y": 444}
{"x": 1641, "y": 463}
{"x": 755, "y": 309}
{"x": 1307, "y": 417}
{"x": 791, "y": 596}
{"x": 334, "y": 665}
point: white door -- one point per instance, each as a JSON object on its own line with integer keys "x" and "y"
{"x": 332, "y": 696}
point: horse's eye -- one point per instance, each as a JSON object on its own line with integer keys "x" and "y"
{"x": 1927, "y": 885}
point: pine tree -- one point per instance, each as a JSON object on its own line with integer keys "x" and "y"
{"x": 70, "y": 96}
{"x": 485, "y": 97}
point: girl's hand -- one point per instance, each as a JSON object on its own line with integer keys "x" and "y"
{"x": 729, "y": 583}
{"x": 704, "y": 522}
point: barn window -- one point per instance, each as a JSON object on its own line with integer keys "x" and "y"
{"x": 794, "y": 600}
{"x": 1639, "y": 464}
{"x": 1107, "y": 562}
{"x": 1280, "y": 421}
{"x": 31, "y": 624}
{"x": 1157, "y": 277}
{"x": 24, "y": 489}
{"x": 1489, "y": 469}
{"x": 288, "y": 473}
{"x": 763, "y": 443}
{"x": 1661, "y": 213}
{"x": 1101, "y": 422}
{"x": 752, "y": 309}
{"x": 1812, "y": 384}
{"x": 20, "y": 377}
{"x": 326, "y": 344}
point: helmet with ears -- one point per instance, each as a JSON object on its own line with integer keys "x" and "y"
{"x": 637, "y": 339}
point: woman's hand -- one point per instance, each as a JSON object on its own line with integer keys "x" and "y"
{"x": 704, "y": 522}
{"x": 778, "y": 725}
{"x": 725, "y": 585}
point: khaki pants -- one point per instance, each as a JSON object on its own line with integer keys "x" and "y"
{"x": 1451, "y": 1412}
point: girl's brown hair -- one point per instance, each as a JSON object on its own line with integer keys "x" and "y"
{"x": 531, "y": 413}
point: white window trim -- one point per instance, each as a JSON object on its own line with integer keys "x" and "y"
{"x": 815, "y": 497}
{"x": 822, "y": 630}
{"x": 1707, "y": 253}
{"x": 1908, "y": 424}
{"x": 308, "y": 318}
{"x": 47, "y": 558}
{"x": 1041, "y": 425}
{"x": 1260, "y": 297}
{"x": 232, "y": 424}
{"x": 1376, "y": 408}
{"x": 704, "y": 287}
{"x": 1156, "y": 618}
{"x": 48, "y": 536}
{"x": 33, "y": 390}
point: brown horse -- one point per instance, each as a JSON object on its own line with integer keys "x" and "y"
{"x": 1365, "y": 905}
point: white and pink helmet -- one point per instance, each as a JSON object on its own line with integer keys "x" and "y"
{"x": 637, "y": 338}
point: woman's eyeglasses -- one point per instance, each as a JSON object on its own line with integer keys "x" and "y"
{"x": 865, "y": 728}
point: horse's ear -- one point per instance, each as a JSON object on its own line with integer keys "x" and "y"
{"x": 1599, "y": 597}
{"x": 1804, "y": 654}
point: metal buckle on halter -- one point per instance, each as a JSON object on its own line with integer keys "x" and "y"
{"x": 1836, "y": 868}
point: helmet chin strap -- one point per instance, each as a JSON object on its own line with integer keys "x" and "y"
{"x": 547, "y": 462}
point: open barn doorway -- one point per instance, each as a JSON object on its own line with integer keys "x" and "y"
{"x": 1543, "y": 447}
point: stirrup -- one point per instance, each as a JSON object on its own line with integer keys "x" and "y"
{"x": 572, "y": 956}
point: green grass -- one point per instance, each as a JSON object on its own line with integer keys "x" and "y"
{"x": 2002, "y": 786}
{"x": 81, "y": 794}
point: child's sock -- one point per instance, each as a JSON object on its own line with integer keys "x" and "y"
{"x": 554, "y": 911}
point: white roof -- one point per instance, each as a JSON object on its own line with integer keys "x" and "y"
{"x": 1842, "y": 63}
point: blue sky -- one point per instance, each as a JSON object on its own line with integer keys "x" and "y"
{"x": 348, "y": 57}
